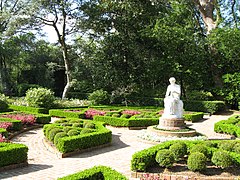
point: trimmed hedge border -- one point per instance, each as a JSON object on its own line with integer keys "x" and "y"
{"x": 229, "y": 126}
{"x": 28, "y": 109}
{"x": 66, "y": 113}
{"x": 211, "y": 107}
{"x": 145, "y": 159}
{"x": 3, "y": 132}
{"x": 97, "y": 172}
{"x": 194, "y": 117}
{"x": 12, "y": 154}
{"x": 124, "y": 122}
{"x": 83, "y": 141}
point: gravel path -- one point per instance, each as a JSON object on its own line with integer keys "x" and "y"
{"x": 44, "y": 164}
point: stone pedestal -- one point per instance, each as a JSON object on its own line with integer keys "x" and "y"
{"x": 171, "y": 123}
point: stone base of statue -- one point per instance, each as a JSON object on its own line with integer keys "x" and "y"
{"x": 171, "y": 123}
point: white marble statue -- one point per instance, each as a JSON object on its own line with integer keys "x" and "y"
{"x": 173, "y": 106}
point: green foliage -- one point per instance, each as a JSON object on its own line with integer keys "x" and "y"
{"x": 228, "y": 126}
{"x": 99, "y": 97}
{"x": 179, "y": 150}
{"x": 226, "y": 145}
{"x": 58, "y": 136}
{"x": 3, "y": 103}
{"x": 22, "y": 88}
{"x": 230, "y": 90}
{"x": 194, "y": 117}
{"x": 123, "y": 122}
{"x": 11, "y": 153}
{"x": 201, "y": 149}
{"x": 67, "y": 113}
{"x": 52, "y": 133}
{"x": 222, "y": 159}
{"x": 199, "y": 96}
{"x": 28, "y": 109}
{"x": 95, "y": 173}
{"x": 236, "y": 148}
{"x": 204, "y": 106}
{"x": 40, "y": 97}
{"x": 89, "y": 125}
{"x": 16, "y": 124}
{"x": 73, "y": 132}
{"x": 125, "y": 116}
{"x": 197, "y": 161}
{"x": 86, "y": 131}
{"x": 165, "y": 158}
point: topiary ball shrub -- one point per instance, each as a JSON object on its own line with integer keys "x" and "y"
{"x": 66, "y": 129}
{"x": 77, "y": 125}
{"x": 179, "y": 150}
{"x": 89, "y": 125}
{"x": 52, "y": 133}
{"x": 125, "y": 116}
{"x": 73, "y": 132}
{"x": 236, "y": 148}
{"x": 200, "y": 148}
{"x": 99, "y": 97}
{"x": 197, "y": 161}
{"x": 86, "y": 131}
{"x": 40, "y": 97}
{"x": 226, "y": 145}
{"x": 58, "y": 136}
{"x": 222, "y": 159}
{"x": 165, "y": 158}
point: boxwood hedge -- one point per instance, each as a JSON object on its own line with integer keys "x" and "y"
{"x": 229, "y": 126}
{"x": 194, "y": 117}
{"x": 124, "y": 122}
{"x": 69, "y": 142}
{"x": 67, "y": 113}
{"x": 28, "y": 109}
{"x": 3, "y": 132}
{"x": 12, "y": 154}
{"x": 16, "y": 124}
{"x": 97, "y": 172}
{"x": 145, "y": 159}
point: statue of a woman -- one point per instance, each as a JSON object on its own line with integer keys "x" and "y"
{"x": 173, "y": 106}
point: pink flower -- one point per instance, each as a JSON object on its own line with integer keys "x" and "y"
{"x": 24, "y": 118}
{"x": 92, "y": 112}
{"x": 131, "y": 112}
{"x": 5, "y": 125}
{"x": 2, "y": 138}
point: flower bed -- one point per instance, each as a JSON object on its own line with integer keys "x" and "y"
{"x": 97, "y": 172}
{"x": 195, "y": 156}
{"x": 69, "y": 135}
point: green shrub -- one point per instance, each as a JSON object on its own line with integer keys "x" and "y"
{"x": 67, "y": 128}
{"x": 99, "y": 97}
{"x": 77, "y": 125}
{"x": 89, "y": 125}
{"x": 22, "y": 88}
{"x": 28, "y": 109}
{"x": 3, "y": 103}
{"x": 16, "y": 124}
{"x": 67, "y": 113}
{"x": 40, "y": 97}
{"x": 11, "y": 153}
{"x": 73, "y": 132}
{"x": 201, "y": 149}
{"x": 179, "y": 150}
{"x": 236, "y": 148}
{"x": 116, "y": 115}
{"x": 226, "y": 145}
{"x": 52, "y": 133}
{"x": 196, "y": 161}
{"x": 58, "y": 136}
{"x": 222, "y": 159}
{"x": 194, "y": 117}
{"x": 199, "y": 95}
{"x": 86, "y": 131}
{"x": 165, "y": 158}
{"x": 95, "y": 173}
{"x": 125, "y": 116}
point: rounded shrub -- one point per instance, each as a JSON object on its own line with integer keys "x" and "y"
{"x": 125, "y": 116}
{"x": 116, "y": 115}
{"x": 236, "y": 148}
{"x": 40, "y": 97}
{"x": 226, "y": 145}
{"x": 200, "y": 148}
{"x": 77, "y": 125}
{"x": 52, "y": 133}
{"x": 66, "y": 129}
{"x": 89, "y": 125}
{"x": 165, "y": 158}
{"x": 222, "y": 159}
{"x": 73, "y": 132}
{"x": 197, "y": 161}
{"x": 58, "y": 136}
{"x": 99, "y": 97}
{"x": 179, "y": 150}
{"x": 61, "y": 121}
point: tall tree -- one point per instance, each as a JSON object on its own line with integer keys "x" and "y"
{"x": 62, "y": 16}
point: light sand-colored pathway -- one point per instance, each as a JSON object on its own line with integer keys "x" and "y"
{"x": 44, "y": 165}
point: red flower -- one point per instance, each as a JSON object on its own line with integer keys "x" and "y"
{"x": 92, "y": 112}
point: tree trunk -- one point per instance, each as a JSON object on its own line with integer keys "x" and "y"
{"x": 206, "y": 9}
